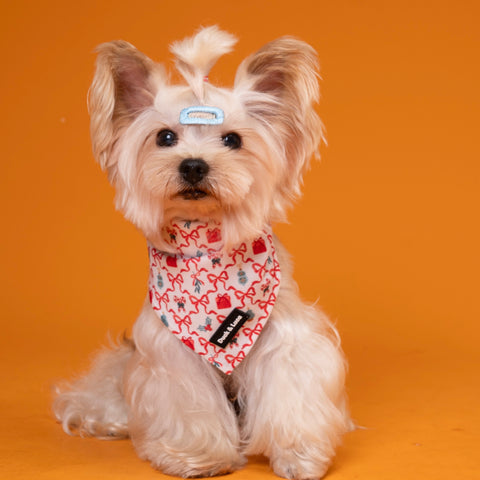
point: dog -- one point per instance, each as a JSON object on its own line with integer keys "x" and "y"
{"x": 225, "y": 359}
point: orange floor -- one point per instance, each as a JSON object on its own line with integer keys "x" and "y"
{"x": 419, "y": 413}
{"x": 386, "y": 237}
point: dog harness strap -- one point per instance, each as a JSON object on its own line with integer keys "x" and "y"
{"x": 215, "y": 301}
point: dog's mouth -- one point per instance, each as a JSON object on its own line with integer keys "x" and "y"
{"x": 192, "y": 193}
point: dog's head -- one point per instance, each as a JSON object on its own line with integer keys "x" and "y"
{"x": 199, "y": 152}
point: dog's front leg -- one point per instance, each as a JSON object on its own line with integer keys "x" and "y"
{"x": 180, "y": 419}
{"x": 291, "y": 387}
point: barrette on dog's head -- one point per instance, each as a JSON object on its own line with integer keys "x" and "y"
{"x": 201, "y": 115}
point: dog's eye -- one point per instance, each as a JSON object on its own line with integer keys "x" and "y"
{"x": 232, "y": 140}
{"x": 166, "y": 138}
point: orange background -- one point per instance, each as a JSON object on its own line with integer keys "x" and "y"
{"x": 386, "y": 236}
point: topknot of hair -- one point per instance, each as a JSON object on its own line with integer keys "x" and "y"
{"x": 196, "y": 55}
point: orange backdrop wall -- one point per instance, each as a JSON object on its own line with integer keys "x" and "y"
{"x": 386, "y": 237}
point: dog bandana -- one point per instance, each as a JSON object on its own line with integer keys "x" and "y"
{"x": 215, "y": 301}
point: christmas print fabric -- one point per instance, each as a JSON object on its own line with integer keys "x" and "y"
{"x": 215, "y": 301}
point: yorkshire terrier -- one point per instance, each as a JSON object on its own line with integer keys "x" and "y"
{"x": 225, "y": 359}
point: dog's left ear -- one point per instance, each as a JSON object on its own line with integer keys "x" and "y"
{"x": 279, "y": 88}
{"x": 124, "y": 85}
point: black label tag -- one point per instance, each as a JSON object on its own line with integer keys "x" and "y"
{"x": 229, "y": 328}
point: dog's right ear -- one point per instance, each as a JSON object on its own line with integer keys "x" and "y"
{"x": 125, "y": 83}
{"x": 279, "y": 88}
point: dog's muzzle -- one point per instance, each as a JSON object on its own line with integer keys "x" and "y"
{"x": 193, "y": 171}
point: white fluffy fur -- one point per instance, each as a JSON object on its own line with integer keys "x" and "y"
{"x": 170, "y": 401}
{"x": 195, "y": 56}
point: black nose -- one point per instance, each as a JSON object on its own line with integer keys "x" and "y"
{"x": 193, "y": 170}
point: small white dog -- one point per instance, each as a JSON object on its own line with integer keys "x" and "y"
{"x": 225, "y": 359}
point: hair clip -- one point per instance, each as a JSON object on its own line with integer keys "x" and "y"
{"x": 201, "y": 115}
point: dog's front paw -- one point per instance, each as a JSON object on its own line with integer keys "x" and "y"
{"x": 295, "y": 465}
{"x": 204, "y": 461}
